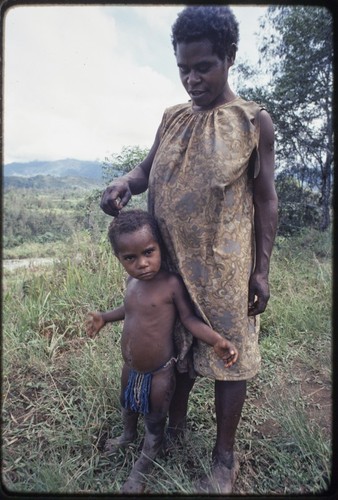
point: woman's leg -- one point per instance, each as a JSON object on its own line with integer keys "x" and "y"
{"x": 229, "y": 400}
{"x": 179, "y": 404}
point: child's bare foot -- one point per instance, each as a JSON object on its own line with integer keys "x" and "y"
{"x": 113, "y": 445}
{"x": 221, "y": 480}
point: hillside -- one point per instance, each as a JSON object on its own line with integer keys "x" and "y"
{"x": 50, "y": 182}
{"x": 59, "y": 168}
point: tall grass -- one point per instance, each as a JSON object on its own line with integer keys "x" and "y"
{"x": 61, "y": 389}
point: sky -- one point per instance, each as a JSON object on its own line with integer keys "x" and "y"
{"x": 83, "y": 81}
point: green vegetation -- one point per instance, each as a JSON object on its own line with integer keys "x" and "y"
{"x": 61, "y": 389}
{"x": 299, "y": 96}
{"x": 36, "y": 218}
{"x": 123, "y": 162}
{"x": 50, "y": 183}
{"x": 45, "y": 223}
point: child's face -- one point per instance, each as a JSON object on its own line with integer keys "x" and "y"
{"x": 140, "y": 254}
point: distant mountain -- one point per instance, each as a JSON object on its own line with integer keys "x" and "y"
{"x": 51, "y": 182}
{"x": 58, "y": 168}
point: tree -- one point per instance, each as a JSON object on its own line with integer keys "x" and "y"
{"x": 123, "y": 162}
{"x": 115, "y": 165}
{"x": 299, "y": 206}
{"x": 297, "y": 51}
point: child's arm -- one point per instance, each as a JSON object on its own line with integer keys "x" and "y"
{"x": 97, "y": 320}
{"x": 222, "y": 347}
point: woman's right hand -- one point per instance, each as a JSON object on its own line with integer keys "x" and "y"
{"x": 115, "y": 197}
{"x": 94, "y": 323}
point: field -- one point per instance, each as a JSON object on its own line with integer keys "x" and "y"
{"x": 60, "y": 389}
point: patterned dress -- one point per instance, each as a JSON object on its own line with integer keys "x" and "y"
{"x": 200, "y": 190}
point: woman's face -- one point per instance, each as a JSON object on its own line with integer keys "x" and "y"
{"x": 203, "y": 74}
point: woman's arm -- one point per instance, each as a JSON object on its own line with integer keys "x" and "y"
{"x": 119, "y": 192}
{"x": 265, "y": 217}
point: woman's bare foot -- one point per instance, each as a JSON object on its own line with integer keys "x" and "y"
{"x": 136, "y": 479}
{"x": 133, "y": 485}
{"x": 221, "y": 479}
{"x": 173, "y": 439}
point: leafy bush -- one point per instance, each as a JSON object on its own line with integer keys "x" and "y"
{"x": 298, "y": 207}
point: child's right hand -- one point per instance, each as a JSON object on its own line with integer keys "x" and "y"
{"x": 94, "y": 323}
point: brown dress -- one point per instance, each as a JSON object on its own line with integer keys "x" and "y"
{"x": 200, "y": 190}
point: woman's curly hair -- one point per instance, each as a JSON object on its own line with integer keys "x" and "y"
{"x": 216, "y": 23}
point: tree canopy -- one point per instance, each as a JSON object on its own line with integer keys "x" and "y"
{"x": 123, "y": 162}
{"x": 297, "y": 52}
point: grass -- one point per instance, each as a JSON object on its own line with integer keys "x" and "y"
{"x": 61, "y": 389}
{"x": 48, "y": 249}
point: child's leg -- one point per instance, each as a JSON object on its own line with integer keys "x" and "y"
{"x": 129, "y": 434}
{"x": 162, "y": 389}
{"x": 129, "y": 420}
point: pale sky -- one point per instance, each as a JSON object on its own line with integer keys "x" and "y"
{"x": 83, "y": 81}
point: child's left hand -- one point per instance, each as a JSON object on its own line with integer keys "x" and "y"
{"x": 226, "y": 351}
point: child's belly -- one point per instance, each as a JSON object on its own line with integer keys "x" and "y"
{"x": 146, "y": 351}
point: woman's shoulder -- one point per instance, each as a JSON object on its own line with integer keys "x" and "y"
{"x": 241, "y": 109}
{"x": 245, "y": 103}
{"x": 249, "y": 104}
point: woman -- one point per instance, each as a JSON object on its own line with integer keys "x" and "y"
{"x": 210, "y": 175}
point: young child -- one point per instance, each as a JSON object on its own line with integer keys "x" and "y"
{"x": 154, "y": 298}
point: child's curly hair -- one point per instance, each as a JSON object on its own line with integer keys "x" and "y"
{"x": 129, "y": 221}
{"x": 216, "y": 23}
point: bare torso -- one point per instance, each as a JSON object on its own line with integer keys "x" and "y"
{"x": 150, "y": 313}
